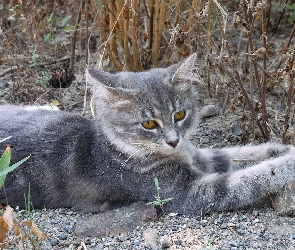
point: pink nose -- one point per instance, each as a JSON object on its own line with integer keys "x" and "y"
{"x": 173, "y": 143}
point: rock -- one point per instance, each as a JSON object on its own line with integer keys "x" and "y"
{"x": 284, "y": 201}
{"x": 204, "y": 140}
{"x": 151, "y": 238}
{"x": 165, "y": 241}
{"x": 115, "y": 222}
{"x": 63, "y": 236}
{"x": 178, "y": 242}
{"x": 53, "y": 242}
{"x": 3, "y": 84}
{"x": 208, "y": 111}
{"x": 237, "y": 130}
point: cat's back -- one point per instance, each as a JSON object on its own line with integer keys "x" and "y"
{"x": 42, "y": 128}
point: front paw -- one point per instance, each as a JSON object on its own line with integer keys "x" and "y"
{"x": 279, "y": 151}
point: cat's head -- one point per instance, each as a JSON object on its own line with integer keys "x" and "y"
{"x": 150, "y": 112}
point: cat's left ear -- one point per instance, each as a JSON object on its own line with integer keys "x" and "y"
{"x": 186, "y": 74}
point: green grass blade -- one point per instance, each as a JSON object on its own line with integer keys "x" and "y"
{"x": 13, "y": 167}
{"x": 4, "y": 164}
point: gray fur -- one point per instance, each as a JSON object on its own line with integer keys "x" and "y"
{"x": 112, "y": 159}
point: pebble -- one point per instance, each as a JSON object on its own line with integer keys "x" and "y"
{"x": 208, "y": 111}
{"x": 258, "y": 229}
{"x": 165, "y": 241}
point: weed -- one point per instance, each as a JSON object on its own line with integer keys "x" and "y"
{"x": 210, "y": 243}
{"x": 7, "y": 219}
{"x": 34, "y": 57}
{"x": 50, "y": 21}
{"x": 43, "y": 79}
{"x": 51, "y": 24}
{"x": 158, "y": 201}
{"x": 291, "y": 18}
{"x": 4, "y": 163}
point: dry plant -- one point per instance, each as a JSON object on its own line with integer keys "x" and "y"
{"x": 23, "y": 231}
{"x": 137, "y": 35}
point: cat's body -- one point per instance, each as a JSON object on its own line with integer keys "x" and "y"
{"x": 141, "y": 130}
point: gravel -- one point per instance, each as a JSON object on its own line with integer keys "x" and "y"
{"x": 251, "y": 229}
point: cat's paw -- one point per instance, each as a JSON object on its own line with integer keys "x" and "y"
{"x": 281, "y": 150}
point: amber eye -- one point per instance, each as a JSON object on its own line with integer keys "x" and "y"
{"x": 178, "y": 116}
{"x": 150, "y": 124}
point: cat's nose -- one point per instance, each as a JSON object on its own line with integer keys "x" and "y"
{"x": 173, "y": 143}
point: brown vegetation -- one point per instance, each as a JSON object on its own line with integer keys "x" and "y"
{"x": 236, "y": 40}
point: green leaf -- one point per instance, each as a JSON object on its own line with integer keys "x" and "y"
{"x": 69, "y": 28}
{"x": 156, "y": 182}
{"x": 51, "y": 18}
{"x": 13, "y": 167}
{"x": 2, "y": 140}
{"x": 65, "y": 20}
{"x": 47, "y": 37}
{"x": 166, "y": 200}
{"x": 11, "y": 18}
{"x": 4, "y": 164}
{"x": 5, "y": 158}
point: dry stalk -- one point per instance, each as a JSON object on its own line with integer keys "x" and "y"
{"x": 289, "y": 79}
{"x": 135, "y": 35}
{"x": 250, "y": 41}
{"x": 86, "y": 32}
{"x": 74, "y": 38}
{"x": 208, "y": 46}
{"x": 286, "y": 47}
{"x": 113, "y": 52}
{"x": 236, "y": 73}
{"x": 264, "y": 76}
{"x": 158, "y": 22}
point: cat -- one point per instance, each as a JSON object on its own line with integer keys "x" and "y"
{"x": 141, "y": 130}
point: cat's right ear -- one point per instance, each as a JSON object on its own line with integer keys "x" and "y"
{"x": 101, "y": 80}
{"x": 105, "y": 85}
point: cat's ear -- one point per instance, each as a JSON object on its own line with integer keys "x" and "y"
{"x": 105, "y": 85}
{"x": 186, "y": 74}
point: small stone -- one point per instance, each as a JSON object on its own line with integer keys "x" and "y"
{"x": 178, "y": 242}
{"x": 136, "y": 243}
{"x": 203, "y": 222}
{"x": 208, "y": 111}
{"x": 204, "y": 140}
{"x": 165, "y": 241}
{"x": 237, "y": 129}
{"x": 231, "y": 224}
{"x": 54, "y": 242}
{"x": 99, "y": 247}
{"x": 3, "y": 84}
{"x": 266, "y": 236}
{"x": 150, "y": 236}
{"x": 63, "y": 236}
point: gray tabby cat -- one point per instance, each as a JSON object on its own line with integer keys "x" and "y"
{"x": 141, "y": 130}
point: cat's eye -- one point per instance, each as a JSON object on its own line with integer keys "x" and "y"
{"x": 178, "y": 116}
{"x": 149, "y": 124}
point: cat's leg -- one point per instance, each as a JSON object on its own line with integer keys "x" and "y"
{"x": 259, "y": 152}
{"x": 234, "y": 190}
{"x": 245, "y": 156}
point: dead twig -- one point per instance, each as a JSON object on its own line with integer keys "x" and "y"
{"x": 13, "y": 68}
{"x": 74, "y": 38}
{"x": 289, "y": 79}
